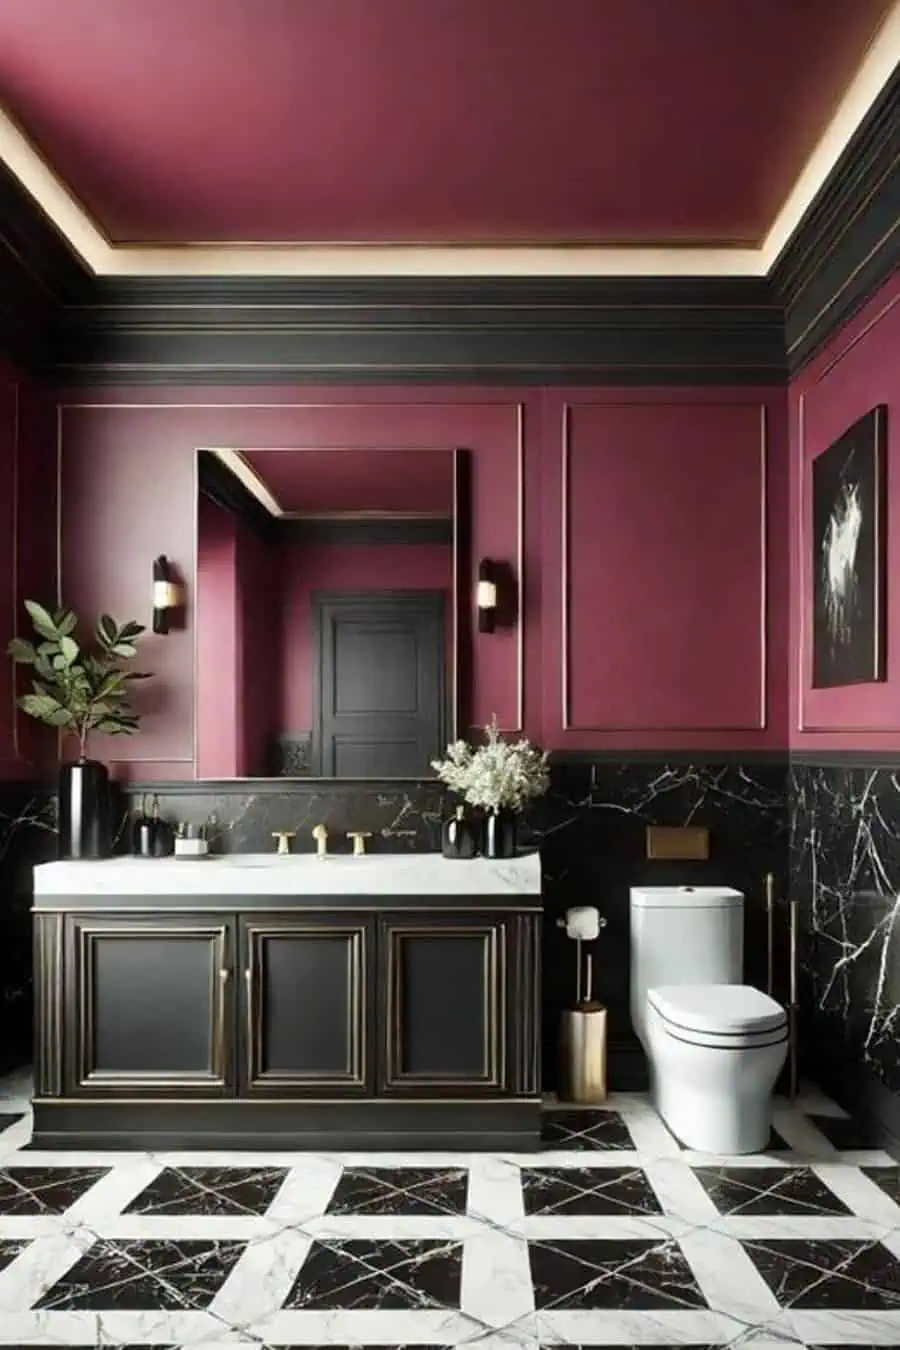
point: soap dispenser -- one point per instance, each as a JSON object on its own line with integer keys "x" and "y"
{"x": 162, "y": 832}
{"x": 144, "y": 833}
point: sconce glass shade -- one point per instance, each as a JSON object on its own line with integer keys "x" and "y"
{"x": 165, "y": 594}
{"x": 486, "y": 596}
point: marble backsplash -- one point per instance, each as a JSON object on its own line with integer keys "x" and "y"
{"x": 590, "y": 829}
{"x": 845, "y": 871}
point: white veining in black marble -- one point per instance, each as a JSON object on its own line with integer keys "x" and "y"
{"x": 845, "y": 871}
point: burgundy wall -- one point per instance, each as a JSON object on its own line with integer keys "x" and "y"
{"x": 853, "y": 373}
{"x": 664, "y": 569}
{"x": 27, "y": 552}
{"x": 128, "y": 493}
{"x": 308, "y": 568}
{"x": 237, "y": 605}
{"x": 672, "y": 506}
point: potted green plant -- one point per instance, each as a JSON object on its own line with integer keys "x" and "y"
{"x": 79, "y": 690}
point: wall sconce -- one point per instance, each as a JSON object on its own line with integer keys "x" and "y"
{"x": 166, "y": 594}
{"x": 487, "y": 596}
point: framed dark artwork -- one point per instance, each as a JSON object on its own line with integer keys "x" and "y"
{"x": 848, "y": 555}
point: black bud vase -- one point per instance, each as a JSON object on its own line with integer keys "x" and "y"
{"x": 459, "y": 837}
{"x": 84, "y": 830}
{"x": 500, "y": 834}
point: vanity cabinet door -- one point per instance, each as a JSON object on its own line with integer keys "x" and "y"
{"x": 149, "y": 1005}
{"x": 305, "y": 1016}
{"x": 444, "y": 1014}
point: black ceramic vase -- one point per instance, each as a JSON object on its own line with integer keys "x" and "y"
{"x": 460, "y": 836}
{"x": 499, "y": 834}
{"x": 84, "y": 827}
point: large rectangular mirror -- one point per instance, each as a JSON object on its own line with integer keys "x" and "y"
{"x": 332, "y": 602}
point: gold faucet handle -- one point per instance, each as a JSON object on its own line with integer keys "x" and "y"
{"x": 284, "y": 838}
{"x": 359, "y": 838}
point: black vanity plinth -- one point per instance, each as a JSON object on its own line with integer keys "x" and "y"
{"x": 296, "y": 1022}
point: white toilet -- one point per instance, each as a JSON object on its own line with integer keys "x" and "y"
{"x": 715, "y": 1046}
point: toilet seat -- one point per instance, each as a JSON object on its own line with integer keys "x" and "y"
{"x": 719, "y": 1016}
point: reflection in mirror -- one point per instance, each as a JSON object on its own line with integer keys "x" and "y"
{"x": 329, "y": 606}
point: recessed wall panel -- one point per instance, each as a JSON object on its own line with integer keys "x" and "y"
{"x": 664, "y": 539}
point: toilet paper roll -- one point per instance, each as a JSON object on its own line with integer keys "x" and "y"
{"x": 583, "y": 922}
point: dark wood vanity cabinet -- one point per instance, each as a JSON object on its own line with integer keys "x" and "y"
{"x": 148, "y": 1005}
{"x": 306, "y": 1006}
{"x": 445, "y": 1019}
{"x": 312, "y": 1026}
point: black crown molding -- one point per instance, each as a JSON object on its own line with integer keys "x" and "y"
{"x": 59, "y": 321}
{"x": 508, "y": 330}
{"x": 848, "y": 243}
{"x": 39, "y": 276}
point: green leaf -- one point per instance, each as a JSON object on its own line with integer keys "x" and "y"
{"x": 63, "y": 717}
{"x": 131, "y": 630}
{"x": 111, "y": 684}
{"x": 107, "y": 630}
{"x": 42, "y": 706}
{"x": 138, "y": 675}
{"x": 21, "y": 652}
{"x": 42, "y": 621}
{"x": 65, "y": 621}
{"x": 125, "y": 649}
{"x": 115, "y": 727}
{"x": 70, "y": 650}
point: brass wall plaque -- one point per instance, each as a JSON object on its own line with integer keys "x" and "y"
{"x": 677, "y": 841}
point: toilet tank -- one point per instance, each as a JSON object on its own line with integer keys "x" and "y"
{"x": 683, "y": 935}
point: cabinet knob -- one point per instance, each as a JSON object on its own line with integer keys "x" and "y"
{"x": 359, "y": 838}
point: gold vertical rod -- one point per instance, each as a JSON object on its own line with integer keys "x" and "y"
{"x": 578, "y": 970}
{"x": 770, "y": 933}
{"x": 794, "y": 1009}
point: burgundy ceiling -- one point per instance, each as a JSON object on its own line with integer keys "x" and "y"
{"x": 430, "y": 120}
{"x": 313, "y": 482}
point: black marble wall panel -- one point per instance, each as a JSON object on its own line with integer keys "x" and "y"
{"x": 590, "y": 829}
{"x": 845, "y": 872}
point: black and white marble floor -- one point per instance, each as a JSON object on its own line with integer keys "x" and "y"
{"x": 612, "y": 1236}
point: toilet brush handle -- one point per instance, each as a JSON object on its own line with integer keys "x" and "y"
{"x": 794, "y": 1009}
{"x": 588, "y": 977}
{"x": 770, "y": 933}
{"x": 578, "y": 970}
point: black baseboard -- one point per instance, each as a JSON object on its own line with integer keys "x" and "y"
{"x": 376, "y": 1125}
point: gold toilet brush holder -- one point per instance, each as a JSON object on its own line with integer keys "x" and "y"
{"x": 583, "y": 1045}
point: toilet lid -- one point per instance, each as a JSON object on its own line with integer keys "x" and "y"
{"x": 726, "y": 1008}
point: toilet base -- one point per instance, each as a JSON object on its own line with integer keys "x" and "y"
{"x": 710, "y": 1123}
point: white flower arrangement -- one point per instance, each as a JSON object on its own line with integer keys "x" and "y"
{"x": 500, "y": 775}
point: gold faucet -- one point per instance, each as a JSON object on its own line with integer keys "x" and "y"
{"x": 359, "y": 838}
{"x": 284, "y": 838}
{"x": 320, "y": 834}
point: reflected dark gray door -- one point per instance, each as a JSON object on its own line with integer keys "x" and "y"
{"x": 380, "y": 697}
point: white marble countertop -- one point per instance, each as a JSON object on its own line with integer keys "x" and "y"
{"x": 298, "y": 874}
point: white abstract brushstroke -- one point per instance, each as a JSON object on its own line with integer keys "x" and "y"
{"x": 839, "y": 546}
